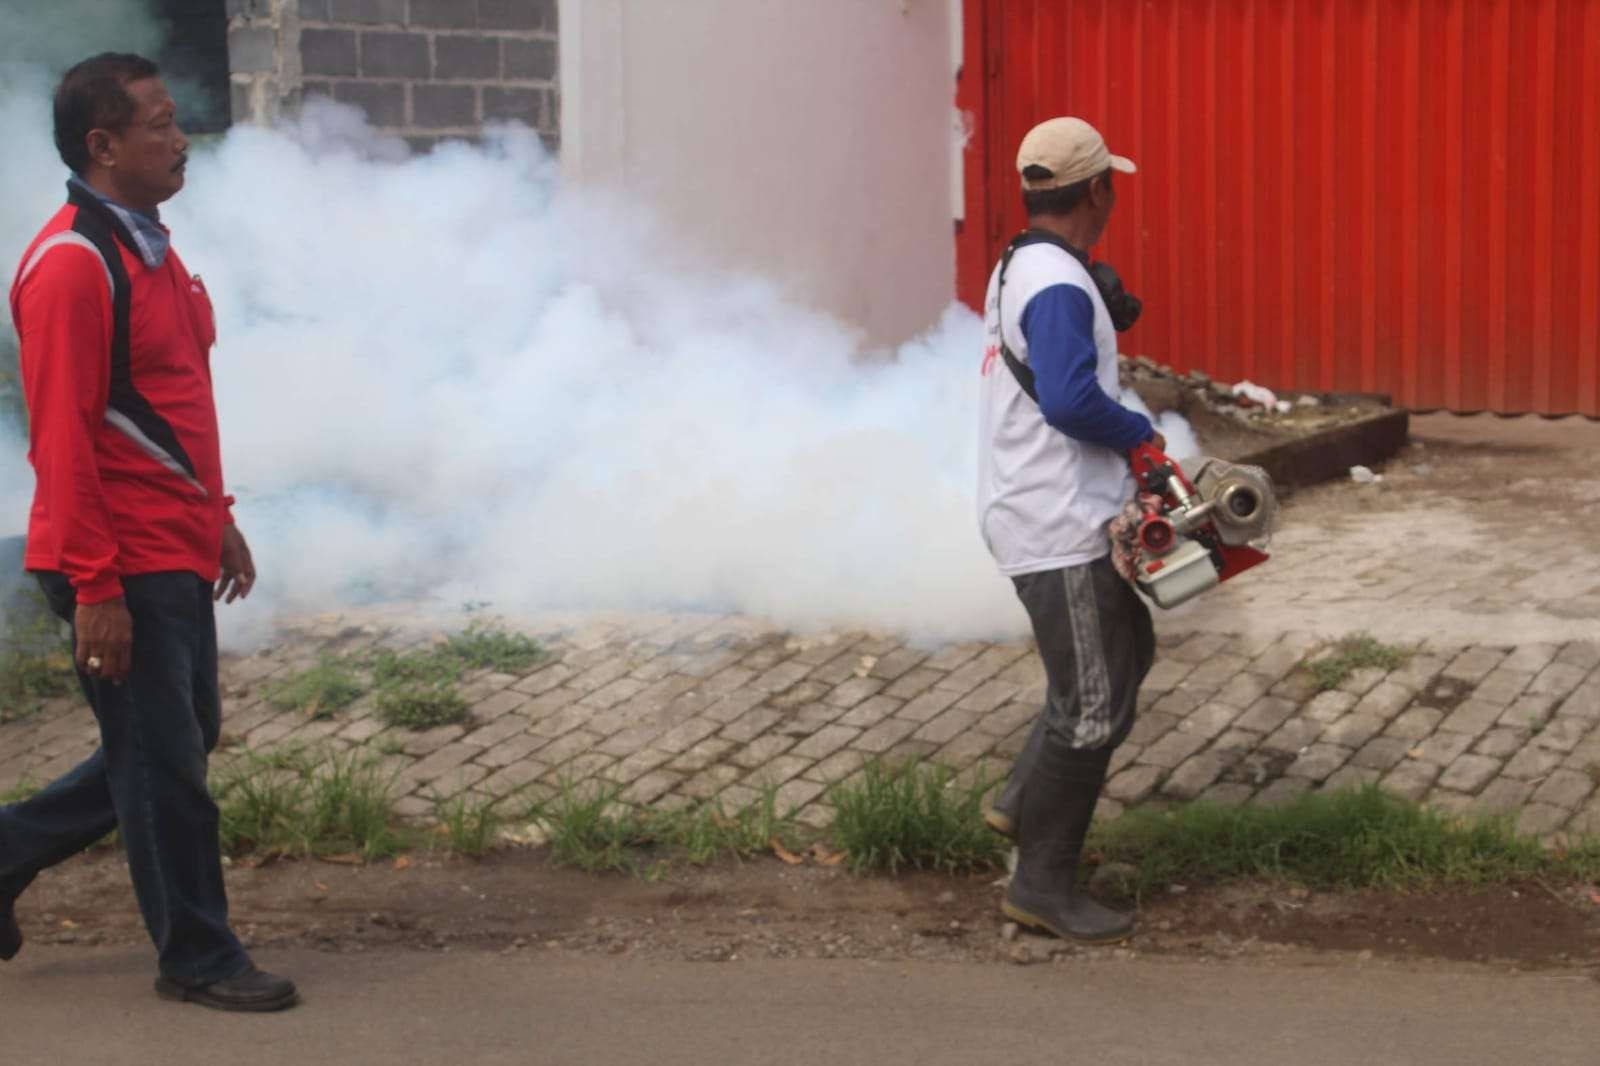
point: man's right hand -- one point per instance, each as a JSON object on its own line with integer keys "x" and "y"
{"x": 105, "y": 635}
{"x": 1157, "y": 441}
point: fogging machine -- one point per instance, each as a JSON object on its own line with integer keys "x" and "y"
{"x": 1193, "y": 535}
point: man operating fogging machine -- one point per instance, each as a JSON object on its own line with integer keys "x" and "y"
{"x": 1078, "y": 503}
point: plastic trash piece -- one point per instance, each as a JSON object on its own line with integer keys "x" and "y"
{"x": 1256, "y": 394}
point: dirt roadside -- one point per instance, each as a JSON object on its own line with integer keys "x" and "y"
{"x": 515, "y": 901}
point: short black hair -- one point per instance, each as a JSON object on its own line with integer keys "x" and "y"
{"x": 1059, "y": 201}
{"x": 94, "y": 96}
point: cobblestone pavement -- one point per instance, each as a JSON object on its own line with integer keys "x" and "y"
{"x": 1497, "y": 709}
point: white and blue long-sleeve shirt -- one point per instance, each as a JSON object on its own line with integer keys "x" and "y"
{"x": 1051, "y": 474}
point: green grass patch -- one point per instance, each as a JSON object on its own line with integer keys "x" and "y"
{"x": 307, "y": 802}
{"x": 421, "y": 705}
{"x": 1339, "y": 840}
{"x": 322, "y": 691}
{"x": 480, "y": 647}
{"x": 416, "y": 688}
{"x": 589, "y": 826}
{"x": 1349, "y": 654}
{"x": 913, "y": 815}
{"x": 485, "y": 647}
{"x": 35, "y": 663}
{"x": 470, "y": 826}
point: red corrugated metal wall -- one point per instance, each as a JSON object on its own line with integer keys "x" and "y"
{"x": 1395, "y": 196}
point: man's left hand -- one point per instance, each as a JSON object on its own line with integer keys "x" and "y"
{"x": 238, "y": 569}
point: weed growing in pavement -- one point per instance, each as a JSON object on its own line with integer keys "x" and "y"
{"x": 592, "y": 828}
{"x": 589, "y": 827}
{"x": 416, "y": 688}
{"x": 1355, "y": 652}
{"x": 913, "y": 815}
{"x": 706, "y": 832}
{"x": 485, "y": 647}
{"x": 420, "y": 705}
{"x": 322, "y": 691}
{"x": 469, "y": 824}
{"x": 479, "y": 647}
{"x": 35, "y": 663}
{"x": 1339, "y": 840}
{"x": 300, "y": 801}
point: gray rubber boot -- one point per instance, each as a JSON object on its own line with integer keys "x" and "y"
{"x": 1004, "y": 811}
{"x": 1057, "y": 807}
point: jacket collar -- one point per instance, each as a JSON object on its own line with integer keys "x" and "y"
{"x": 144, "y": 235}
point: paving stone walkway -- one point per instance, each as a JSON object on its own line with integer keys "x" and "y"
{"x": 1497, "y": 710}
{"x": 680, "y": 710}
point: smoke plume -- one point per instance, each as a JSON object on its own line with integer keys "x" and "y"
{"x": 448, "y": 379}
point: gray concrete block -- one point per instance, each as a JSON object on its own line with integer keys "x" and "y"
{"x": 252, "y": 50}
{"x": 1558, "y": 680}
{"x": 1443, "y": 748}
{"x": 1281, "y": 791}
{"x": 1134, "y": 783}
{"x": 329, "y": 52}
{"x": 1362, "y": 681}
{"x": 1330, "y": 706}
{"x": 1353, "y": 730}
{"x": 1472, "y": 718}
{"x": 1501, "y": 742}
{"x": 1266, "y": 714}
{"x": 394, "y": 55}
{"x": 1351, "y": 777}
{"x": 1381, "y": 753}
{"x": 1243, "y": 690}
{"x": 1416, "y": 723}
{"x": 1529, "y": 711}
{"x": 1209, "y": 720}
{"x": 1474, "y": 664}
{"x": 1539, "y": 819}
{"x": 1172, "y": 749}
{"x": 466, "y": 57}
{"x": 515, "y": 14}
{"x": 1293, "y": 735}
{"x": 241, "y": 106}
{"x": 383, "y": 101}
{"x": 444, "y": 14}
{"x": 368, "y": 12}
{"x": 1503, "y": 795}
{"x": 1318, "y": 762}
{"x": 1469, "y": 773}
{"x": 1502, "y": 686}
{"x": 1410, "y": 780}
{"x": 1532, "y": 762}
{"x": 537, "y": 60}
{"x": 1565, "y": 788}
{"x": 1195, "y": 775}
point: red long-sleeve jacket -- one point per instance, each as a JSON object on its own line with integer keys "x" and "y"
{"x": 122, "y": 427}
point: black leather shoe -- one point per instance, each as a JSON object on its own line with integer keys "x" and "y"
{"x": 10, "y": 935}
{"x": 248, "y": 990}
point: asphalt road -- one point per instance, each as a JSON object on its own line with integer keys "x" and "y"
{"x": 83, "y": 1007}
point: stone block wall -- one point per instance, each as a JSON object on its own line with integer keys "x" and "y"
{"x": 424, "y": 69}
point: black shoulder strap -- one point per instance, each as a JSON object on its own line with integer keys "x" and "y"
{"x": 1020, "y": 370}
{"x": 137, "y": 417}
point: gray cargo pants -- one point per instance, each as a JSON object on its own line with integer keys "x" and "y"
{"x": 1098, "y": 642}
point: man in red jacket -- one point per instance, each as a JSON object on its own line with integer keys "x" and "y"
{"x": 130, "y": 535}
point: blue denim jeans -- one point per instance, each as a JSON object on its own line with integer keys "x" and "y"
{"x": 148, "y": 779}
